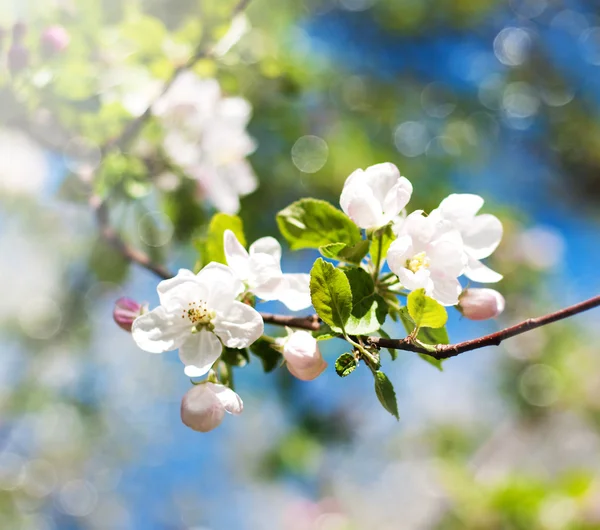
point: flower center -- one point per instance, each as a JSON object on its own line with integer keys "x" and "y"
{"x": 417, "y": 262}
{"x": 198, "y": 314}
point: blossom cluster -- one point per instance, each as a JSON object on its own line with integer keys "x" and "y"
{"x": 204, "y": 315}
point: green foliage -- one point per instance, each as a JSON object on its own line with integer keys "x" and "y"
{"x": 386, "y": 393}
{"x": 330, "y": 294}
{"x": 382, "y": 240}
{"x": 342, "y": 252}
{"x": 268, "y": 355}
{"x": 211, "y": 249}
{"x": 235, "y": 357}
{"x": 425, "y": 311}
{"x": 368, "y": 308}
{"x": 431, "y": 336}
{"x": 312, "y": 223}
{"x": 345, "y": 364}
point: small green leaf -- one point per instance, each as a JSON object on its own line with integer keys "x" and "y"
{"x": 386, "y": 394}
{"x": 368, "y": 308}
{"x": 212, "y": 248}
{"x": 311, "y": 223}
{"x": 269, "y": 357}
{"x": 330, "y": 294}
{"x": 342, "y": 252}
{"x": 345, "y": 364}
{"x": 425, "y": 311}
{"x": 426, "y": 336}
{"x": 381, "y": 244}
{"x": 235, "y": 357}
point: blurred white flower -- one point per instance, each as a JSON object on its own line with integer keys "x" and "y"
{"x": 198, "y": 313}
{"x": 481, "y": 304}
{"x": 23, "y": 165}
{"x": 260, "y": 270}
{"x": 481, "y": 234}
{"x": 204, "y": 406}
{"x": 428, "y": 254}
{"x": 375, "y": 196}
{"x": 302, "y": 355}
{"x": 206, "y": 135}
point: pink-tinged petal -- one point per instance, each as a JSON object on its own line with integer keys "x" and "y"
{"x": 482, "y": 236}
{"x": 240, "y": 326}
{"x": 362, "y": 207}
{"x": 295, "y": 291}
{"x": 460, "y": 206}
{"x": 222, "y": 285}
{"x": 400, "y": 250}
{"x": 199, "y": 352}
{"x": 308, "y": 374}
{"x": 236, "y": 255}
{"x": 159, "y": 331}
{"x": 445, "y": 290}
{"x": 267, "y": 245}
{"x": 355, "y": 178}
{"x": 446, "y": 258}
{"x": 397, "y": 198}
{"x": 232, "y": 403}
{"x": 201, "y": 409}
{"x": 478, "y": 272}
{"x": 420, "y": 228}
{"x": 381, "y": 178}
{"x": 264, "y": 276}
{"x": 481, "y": 304}
{"x": 176, "y": 292}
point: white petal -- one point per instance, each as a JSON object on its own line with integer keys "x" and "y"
{"x": 264, "y": 276}
{"x": 421, "y": 229}
{"x": 447, "y": 258}
{"x": 295, "y": 291}
{"x": 159, "y": 331}
{"x": 176, "y": 292}
{"x": 460, "y": 206}
{"x": 397, "y": 199}
{"x": 478, "y": 272}
{"x": 231, "y": 402}
{"x": 236, "y": 255}
{"x": 201, "y": 409}
{"x": 445, "y": 290}
{"x": 267, "y": 245}
{"x": 381, "y": 178}
{"x": 400, "y": 250}
{"x": 415, "y": 280}
{"x": 199, "y": 352}
{"x": 359, "y": 203}
{"x": 240, "y": 326}
{"x": 222, "y": 285}
{"x": 482, "y": 236}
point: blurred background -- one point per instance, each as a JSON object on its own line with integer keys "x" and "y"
{"x": 494, "y": 97}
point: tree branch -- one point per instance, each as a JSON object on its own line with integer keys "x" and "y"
{"x": 444, "y": 351}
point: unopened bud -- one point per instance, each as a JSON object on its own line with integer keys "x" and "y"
{"x": 204, "y": 406}
{"x": 481, "y": 304}
{"x": 54, "y": 39}
{"x": 18, "y": 58}
{"x": 302, "y": 355}
{"x": 126, "y": 311}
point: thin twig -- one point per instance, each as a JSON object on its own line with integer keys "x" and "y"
{"x": 444, "y": 351}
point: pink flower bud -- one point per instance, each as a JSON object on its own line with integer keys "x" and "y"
{"x": 19, "y": 30}
{"x": 481, "y": 304}
{"x": 126, "y": 311}
{"x": 18, "y": 57}
{"x": 204, "y": 406}
{"x": 55, "y": 39}
{"x": 302, "y": 355}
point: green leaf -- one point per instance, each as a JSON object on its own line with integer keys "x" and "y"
{"x": 426, "y": 336}
{"x": 269, "y": 357}
{"x": 386, "y": 394}
{"x": 311, "y": 223}
{"x": 345, "y": 364}
{"x": 342, "y": 252}
{"x": 212, "y": 248}
{"x": 425, "y": 311}
{"x": 382, "y": 244}
{"x": 235, "y": 357}
{"x": 392, "y": 351}
{"x": 368, "y": 308}
{"x": 330, "y": 294}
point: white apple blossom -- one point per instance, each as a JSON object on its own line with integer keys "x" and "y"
{"x": 206, "y": 135}
{"x": 260, "y": 270}
{"x": 428, "y": 254}
{"x": 204, "y": 406}
{"x": 481, "y": 234}
{"x": 481, "y": 304}
{"x": 198, "y": 313}
{"x": 375, "y": 196}
{"x": 302, "y": 355}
